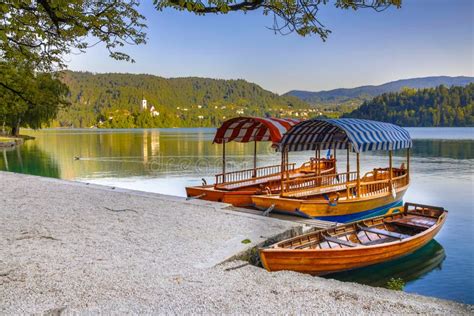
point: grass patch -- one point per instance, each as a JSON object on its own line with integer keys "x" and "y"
{"x": 246, "y": 241}
{"x": 396, "y": 284}
{"x": 6, "y": 139}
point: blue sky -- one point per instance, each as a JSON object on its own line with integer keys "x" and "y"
{"x": 423, "y": 38}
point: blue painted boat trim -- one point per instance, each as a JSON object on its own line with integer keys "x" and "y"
{"x": 361, "y": 215}
{"x": 341, "y": 218}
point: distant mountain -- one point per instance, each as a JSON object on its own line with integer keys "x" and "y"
{"x": 115, "y": 100}
{"x": 368, "y": 92}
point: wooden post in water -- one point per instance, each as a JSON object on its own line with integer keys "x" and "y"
{"x": 223, "y": 161}
{"x": 255, "y": 159}
{"x": 358, "y": 175}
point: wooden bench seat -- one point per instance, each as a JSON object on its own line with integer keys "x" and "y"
{"x": 341, "y": 242}
{"x": 379, "y": 241}
{"x": 414, "y": 221}
{"x": 383, "y": 232}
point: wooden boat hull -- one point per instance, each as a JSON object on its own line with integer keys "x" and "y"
{"x": 242, "y": 196}
{"x": 343, "y": 211}
{"x": 325, "y": 261}
{"x": 236, "y": 198}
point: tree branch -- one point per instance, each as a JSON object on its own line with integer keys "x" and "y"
{"x": 246, "y": 5}
{"x": 17, "y": 93}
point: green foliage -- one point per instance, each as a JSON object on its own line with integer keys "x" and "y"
{"x": 27, "y": 98}
{"x": 396, "y": 284}
{"x": 246, "y": 241}
{"x": 182, "y": 102}
{"x": 34, "y": 38}
{"x": 440, "y": 106}
{"x": 299, "y": 16}
{"x": 42, "y": 32}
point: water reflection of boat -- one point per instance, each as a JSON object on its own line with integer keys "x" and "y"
{"x": 358, "y": 244}
{"x": 408, "y": 268}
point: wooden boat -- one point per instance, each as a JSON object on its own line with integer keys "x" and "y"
{"x": 346, "y": 196}
{"x": 401, "y": 231}
{"x": 237, "y": 187}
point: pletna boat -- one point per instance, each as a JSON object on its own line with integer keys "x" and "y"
{"x": 401, "y": 231}
{"x": 346, "y": 196}
{"x": 237, "y": 187}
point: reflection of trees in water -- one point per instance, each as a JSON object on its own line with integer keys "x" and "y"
{"x": 126, "y": 153}
{"x": 29, "y": 159}
{"x": 410, "y": 267}
{"x": 454, "y": 149}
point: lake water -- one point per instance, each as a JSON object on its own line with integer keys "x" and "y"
{"x": 167, "y": 160}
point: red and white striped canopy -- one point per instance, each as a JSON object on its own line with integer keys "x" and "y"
{"x": 248, "y": 129}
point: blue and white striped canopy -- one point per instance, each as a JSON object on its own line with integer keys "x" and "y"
{"x": 360, "y": 135}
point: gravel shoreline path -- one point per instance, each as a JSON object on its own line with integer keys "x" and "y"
{"x": 71, "y": 247}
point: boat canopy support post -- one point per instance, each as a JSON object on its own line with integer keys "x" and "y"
{"x": 348, "y": 169}
{"x": 318, "y": 160}
{"x": 358, "y": 175}
{"x": 255, "y": 159}
{"x": 223, "y": 161}
{"x": 408, "y": 164}
{"x": 282, "y": 168}
{"x": 348, "y": 166}
{"x": 390, "y": 164}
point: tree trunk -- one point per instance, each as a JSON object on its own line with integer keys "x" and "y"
{"x": 16, "y": 129}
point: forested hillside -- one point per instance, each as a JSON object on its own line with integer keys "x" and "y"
{"x": 344, "y": 100}
{"x": 368, "y": 92}
{"x": 440, "y": 106}
{"x": 114, "y": 100}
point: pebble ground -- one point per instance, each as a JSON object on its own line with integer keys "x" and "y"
{"x": 68, "y": 247}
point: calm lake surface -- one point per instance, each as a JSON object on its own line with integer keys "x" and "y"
{"x": 167, "y": 160}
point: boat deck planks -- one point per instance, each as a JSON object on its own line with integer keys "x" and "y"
{"x": 384, "y": 232}
{"x": 315, "y": 191}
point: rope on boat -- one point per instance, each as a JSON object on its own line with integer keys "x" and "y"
{"x": 195, "y": 197}
{"x": 268, "y": 210}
